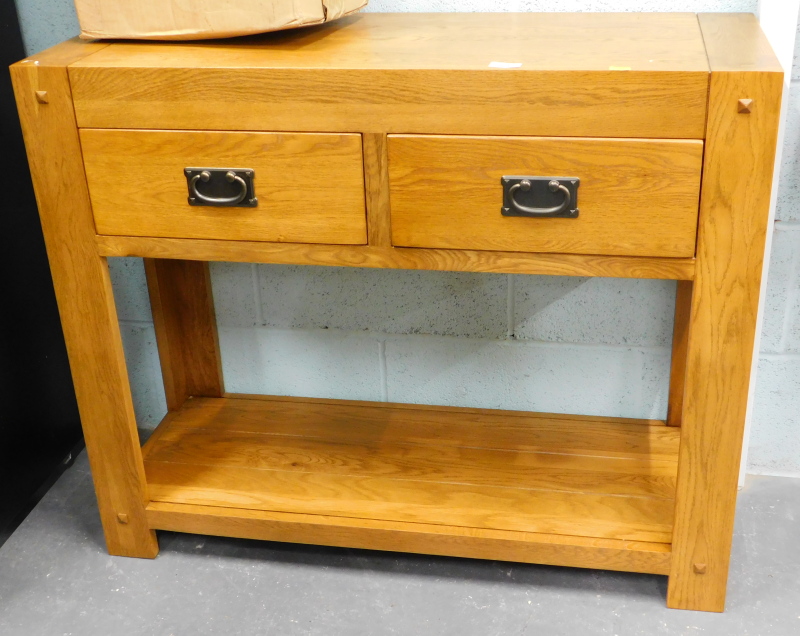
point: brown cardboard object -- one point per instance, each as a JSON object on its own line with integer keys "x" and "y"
{"x": 199, "y": 19}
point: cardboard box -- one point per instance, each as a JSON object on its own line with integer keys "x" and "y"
{"x": 200, "y": 19}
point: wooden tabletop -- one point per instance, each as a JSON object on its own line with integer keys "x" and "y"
{"x": 469, "y": 41}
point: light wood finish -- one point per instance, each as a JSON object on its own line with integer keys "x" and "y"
{"x": 376, "y": 182}
{"x": 734, "y": 210}
{"x": 680, "y": 342}
{"x": 636, "y": 197}
{"x": 310, "y": 187}
{"x": 467, "y": 468}
{"x": 616, "y": 75}
{"x": 503, "y": 545}
{"x": 67, "y": 52}
{"x": 426, "y": 425}
{"x": 186, "y": 329}
{"x": 735, "y": 43}
{"x": 399, "y": 258}
{"x": 423, "y": 463}
{"x": 632, "y": 495}
{"x": 654, "y": 42}
{"x": 85, "y": 299}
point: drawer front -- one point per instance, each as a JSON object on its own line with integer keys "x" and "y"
{"x": 637, "y": 197}
{"x": 309, "y": 187}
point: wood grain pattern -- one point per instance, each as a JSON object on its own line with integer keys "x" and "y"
{"x": 359, "y": 423}
{"x": 596, "y": 491}
{"x": 85, "y": 300}
{"x": 419, "y": 462}
{"x": 652, "y": 42}
{"x": 395, "y": 73}
{"x": 735, "y": 42}
{"x": 636, "y": 197}
{"x": 448, "y": 467}
{"x": 733, "y": 224}
{"x": 399, "y": 258}
{"x": 310, "y": 187}
{"x": 65, "y": 53}
{"x": 358, "y": 497}
{"x": 504, "y": 545}
{"x": 680, "y": 342}
{"x": 376, "y": 183}
{"x": 437, "y": 408}
{"x": 186, "y": 329}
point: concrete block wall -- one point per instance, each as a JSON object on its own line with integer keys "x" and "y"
{"x": 598, "y": 346}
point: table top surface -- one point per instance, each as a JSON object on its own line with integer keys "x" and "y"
{"x": 450, "y": 41}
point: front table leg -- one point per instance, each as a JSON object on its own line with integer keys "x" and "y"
{"x": 734, "y": 211}
{"x": 85, "y": 301}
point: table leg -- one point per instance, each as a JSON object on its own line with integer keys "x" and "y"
{"x": 734, "y": 211}
{"x": 680, "y": 343}
{"x": 85, "y": 300}
{"x": 186, "y": 329}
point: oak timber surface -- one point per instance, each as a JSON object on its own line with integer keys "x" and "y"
{"x": 624, "y": 75}
{"x": 637, "y": 197}
{"x": 597, "y": 477}
{"x": 85, "y": 300}
{"x": 735, "y": 42}
{"x": 398, "y": 257}
{"x": 310, "y": 187}
{"x": 371, "y": 534}
{"x": 734, "y": 222}
{"x": 537, "y": 41}
{"x": 185, "y": 324}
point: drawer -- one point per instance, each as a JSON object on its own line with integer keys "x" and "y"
{"x": 309, "y": 187}
{"x": 637, "y": 197}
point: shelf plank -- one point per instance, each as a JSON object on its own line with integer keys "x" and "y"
{"x": 367, "y": 422}
{"x": 596, "y": 477}
{"x": 368, "y": 497}
{"x": 413, "y": 462}
{"x": 503, "y": 545}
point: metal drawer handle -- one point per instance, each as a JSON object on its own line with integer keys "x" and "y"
{"x": 231, "y": 176}
{"x": 554, "y": 186}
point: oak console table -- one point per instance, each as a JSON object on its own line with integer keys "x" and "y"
{"x": 626, "y": 145}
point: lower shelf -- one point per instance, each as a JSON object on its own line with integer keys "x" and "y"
{"x": 560, "y": 489}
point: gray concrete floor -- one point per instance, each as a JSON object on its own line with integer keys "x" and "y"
{"x": 56, "y": 579}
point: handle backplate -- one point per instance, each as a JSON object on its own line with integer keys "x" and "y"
{"x": 540, "y": 197}
{"x": 221, "y": 187}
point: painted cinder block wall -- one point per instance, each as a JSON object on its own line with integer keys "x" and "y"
{"x": 563, "y": 344}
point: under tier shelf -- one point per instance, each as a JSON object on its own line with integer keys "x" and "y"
{"x": 419, "y": 478}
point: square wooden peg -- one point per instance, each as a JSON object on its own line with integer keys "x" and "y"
{"x": 41, "y": 97}
{"x": 122, "y": 517}
{"x": 699, "y": 568}
{"x": 745, "y": 105}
